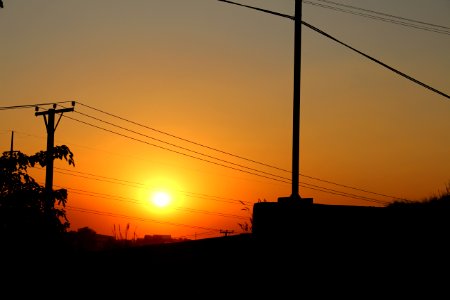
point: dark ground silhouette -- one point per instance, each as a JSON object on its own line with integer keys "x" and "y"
{"x": 324, "y": 250}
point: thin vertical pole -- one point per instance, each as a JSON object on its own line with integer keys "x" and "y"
{"x": 50, "y": 144}
{"x": 50, "y": 124}
{"x": 296, "y": 110}
{"x": 12, "y": 142}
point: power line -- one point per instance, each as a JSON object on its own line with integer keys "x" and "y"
{"x": 234, "y": 155}
{"x": 143, "y": 186}
{"x": 207, "y": 212}
{"x": 233, "y": 201}
{"x": 174, "y": 151}
{"x": 31, "y": 105}
{"x": 257, "y": 8}
{"x": 344, "y": 44}
{"x": 422, "y": 27}
{"x": 134, "y": 201}
{"x": 195, "y": 235}
{"x": 286, "y": 180}
{"x": 306, "y": 185}
{"x": 103, "y": 178}
{"x": 339, "y": 193}
{"x": 97, "y": 194}
{"x": 183, "y": 139}
{"x": 310, "y": 186}
{"x": 376, "y": 60}
{"x": 109, "y": 214}
{"x": 180, "y": 147}
{"x": 353, "y": 188}
{"x": 380, "y": 13}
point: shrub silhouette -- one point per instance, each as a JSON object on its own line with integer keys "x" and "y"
{"x": 442, "y": 200}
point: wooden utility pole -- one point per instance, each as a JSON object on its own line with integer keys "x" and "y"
{"x": 49, "y": 119}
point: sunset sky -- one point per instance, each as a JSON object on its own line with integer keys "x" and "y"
{"x": 194, "y": 98}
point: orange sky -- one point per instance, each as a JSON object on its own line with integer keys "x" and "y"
{"x": 222, "y": 76}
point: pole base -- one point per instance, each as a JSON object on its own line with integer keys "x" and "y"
{"x": 296, "y": 199}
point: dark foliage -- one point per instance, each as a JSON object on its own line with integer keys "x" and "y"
{"x": 27, "y": 215}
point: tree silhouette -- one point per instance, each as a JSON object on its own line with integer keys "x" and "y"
{"x": 28, "y": 217}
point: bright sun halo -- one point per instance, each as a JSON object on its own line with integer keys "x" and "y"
{"x": 161, "y": 199}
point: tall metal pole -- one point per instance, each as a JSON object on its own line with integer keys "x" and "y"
{"x": 296, "y": 110}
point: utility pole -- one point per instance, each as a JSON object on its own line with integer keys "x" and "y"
{"x": 12, "y": 143}
{"x": 296, "y": 97}
{"x": 11, "y": 151}
{"x": 49, "y": 120}
{"x": 296, "y": 110}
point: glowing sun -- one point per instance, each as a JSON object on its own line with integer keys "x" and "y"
{"x": 161, "y": 199}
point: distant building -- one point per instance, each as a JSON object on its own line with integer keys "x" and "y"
{"x": 86, "y": 239}
{"x": 158, "y": 239}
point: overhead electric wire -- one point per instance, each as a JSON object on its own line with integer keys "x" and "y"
{"x": 380, "y": 13}
{"x": 30, "y": 105}
{"x": 109, "y": 214}
{"x": 216, "y": 198}
{"x": 339, "y": 193}
{"x": 307, "y": 176}
{"x": 175, "y": 151}
{"x": 94, "y": 194}
{"x": 143, "y": 186}
{"x": 179, "y": 147}
{"x": 195, "y": 235}
{"x": 183, "y": 139}
{"x": 376, "y": 60}
{"x": 126, "y": 183}
{"x": 346, "y": 45}
{"x": 305, "y": 185}
{"x": 286, "y": 180}
{"x": 100, "y": 176}
{"x": 257, "y": 8}
{"x": 134, "y": 201}
{"x": 207, "y": 212}
{"x": 233, "y": 201}
{"x": 234, "y": 155}
{"x": 124, "y": 199}
{"x": 353, "y": 188}
{"x": 403, "y": 23}
{"x": 98, "y": 179}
